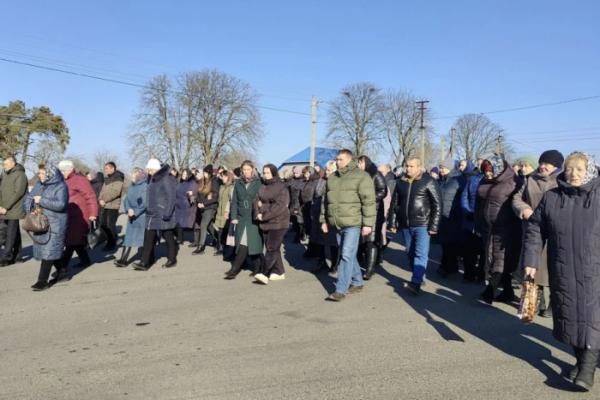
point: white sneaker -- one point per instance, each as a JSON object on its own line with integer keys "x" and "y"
{"x": 261, "y": 278}
{"x": 275, "y": 277}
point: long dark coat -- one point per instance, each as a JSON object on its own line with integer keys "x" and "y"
{"x": 569, "y": 219}
{"x": 83, "y": 204}
{"x": 496, "y": 222}
{"x": 160, "y": 211}
{"x": 242, "y": 209}
{"x": 55, "y": 198}
{"x": 136, "y": 200}
{"x": 185, "y": 209}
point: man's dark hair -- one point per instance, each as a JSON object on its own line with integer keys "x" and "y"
{"x": 345, "y": 152}
{"x": 111, "y": 164}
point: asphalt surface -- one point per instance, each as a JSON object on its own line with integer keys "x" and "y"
{"x": 186, "y": 333}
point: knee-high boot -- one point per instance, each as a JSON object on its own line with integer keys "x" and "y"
{"x": 371, "y": 260}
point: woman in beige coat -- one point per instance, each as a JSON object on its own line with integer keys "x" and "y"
{"x": 526, "y": 201}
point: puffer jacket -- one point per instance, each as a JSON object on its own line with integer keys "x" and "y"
{"x": 467, "y": 202}
{"x": 417, "y": 203}
{"x": 13, "y": 188}
{"x": 54, "y": 201}
{"x": 160, "y": 210}
{"x": 568, "y": 218}
{"x": 451, "y": 188}
{"x": 296, "y": 185}
{"x": 349, "y": 199}
{"x": 112, "y": 190}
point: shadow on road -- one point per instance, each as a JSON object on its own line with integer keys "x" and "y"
{"x": 456, "y": 304}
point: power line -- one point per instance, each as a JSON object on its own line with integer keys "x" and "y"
{"x": 122, "y": 82}
{"x": 530, "y": 107}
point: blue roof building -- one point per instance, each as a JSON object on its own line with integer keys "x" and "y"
{"x": 322, "y": 155}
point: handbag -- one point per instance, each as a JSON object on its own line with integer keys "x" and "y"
{"x": 529, "y": 301}
{"x": 230, "y": 241}
{"x": 36, "y": 221}
{"x": 95, "y": 236}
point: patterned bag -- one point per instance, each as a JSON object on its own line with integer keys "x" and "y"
{"x": 529, "y": 301}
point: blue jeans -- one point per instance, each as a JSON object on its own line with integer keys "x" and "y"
{"x": 349, "y": 269}
{"x": 416, "y": 241}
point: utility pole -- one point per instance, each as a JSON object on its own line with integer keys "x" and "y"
{"x": 499, "y": 144}
{"x": 442, "y": 148}
{"x": 313, "y": 129}
{"x": 422, "y": 109}
{"x": 452, "y": 136}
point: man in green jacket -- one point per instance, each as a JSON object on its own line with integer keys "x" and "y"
{"x": 348, "y": 207}
{"x": 12, "y": 191}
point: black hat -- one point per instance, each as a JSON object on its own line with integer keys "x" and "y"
{"x": 208, "y": 169}
{"x": 553, "y": 157}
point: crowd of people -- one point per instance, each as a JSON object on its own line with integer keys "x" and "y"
{"x": 495, "y": 221}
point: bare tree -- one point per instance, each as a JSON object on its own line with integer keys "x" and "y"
{"x": 476, "y": 136}
{"x": 101, "y": 157}
{"x": 198, "y": 120}
{"x": 354, "y": 118}
{"x": 400, "y": 118}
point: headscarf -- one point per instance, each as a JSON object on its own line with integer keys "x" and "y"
{"x": 592, "y": 167}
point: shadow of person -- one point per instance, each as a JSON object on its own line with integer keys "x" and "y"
{"x": 455, "y": 305}
{"x": 292, "y": 253}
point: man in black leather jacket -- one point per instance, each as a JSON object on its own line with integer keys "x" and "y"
{"x": 417, "y": 209}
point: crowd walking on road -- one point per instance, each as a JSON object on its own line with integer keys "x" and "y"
{"x": 497, "y": 224}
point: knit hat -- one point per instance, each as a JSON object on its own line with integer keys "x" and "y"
{"x": 154, "y": 164}
{"x": 447, "y": 163}
{"x": 208, "y": 169}
{"x": 553, "y": 157}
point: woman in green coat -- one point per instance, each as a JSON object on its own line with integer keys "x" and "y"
{"x": 223, "y": 210}
{"x": 248, "y": 239}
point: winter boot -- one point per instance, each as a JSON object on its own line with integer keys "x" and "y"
{"x": 371, "y": 261}
{"x": 508, "y": 293}
{"x": 587, "y": 369}
{"x": 490, "y": 290}
{"x": 122, "y": 262}
{"x": 575, "y": 370}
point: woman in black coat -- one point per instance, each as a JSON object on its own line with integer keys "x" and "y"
{"x": 568, "y": 219}
{"x": 374, "y": 243}
{"x": 499, "y": 227}
{"x": 272, "y": 212}
{"x": 307, "y": 198}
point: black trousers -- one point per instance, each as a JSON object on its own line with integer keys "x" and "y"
{"x": 240, "y": 258}
{"x": 108, "y": 223}
{"x": 12, "y": 244}
{"x": 84, "y": 258}
{"x": 450, "y": 254}
{"x": 273, "y": 262}
{"x": 150, "y": 238}
{"x": 46, "y": 267}
{"x": 474, "y": 256}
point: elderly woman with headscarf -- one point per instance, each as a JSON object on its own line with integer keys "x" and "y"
{"x": 51, "y": 195}
{"x": 135, "y": 208}
{"x": 568, "y": 220}
{"x": 499, "y": 227}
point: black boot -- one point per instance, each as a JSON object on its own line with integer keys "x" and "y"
{"x": 199, "y": 250}
{"x": 218, "y": 247}
{"x": 587, "y": 369}
{"x": 371, "y": 259}
{"x": 490, "y": 290}
{"x": 42, "y": 281}
{"x": 122, "y": 262}
{"x": 575, "y": 370}
{"x": 508, "y": 293}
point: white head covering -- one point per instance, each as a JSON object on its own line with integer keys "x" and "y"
{"x": 153, "y": 163}
{"x": 66, "y": 165}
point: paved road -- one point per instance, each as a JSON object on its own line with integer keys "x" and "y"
{"x": 185, "y": 333}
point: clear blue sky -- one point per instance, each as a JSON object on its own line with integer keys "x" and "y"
{"x": 464, "y": 56}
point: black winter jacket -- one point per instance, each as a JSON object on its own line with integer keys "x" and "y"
{"x": 417, "y": 203}
{"x": 568, "y": 218}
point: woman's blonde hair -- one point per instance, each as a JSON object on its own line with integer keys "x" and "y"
{"x": 576, "y": 157}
